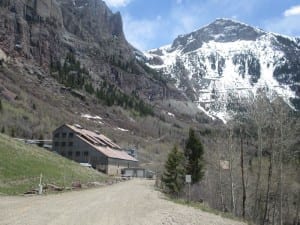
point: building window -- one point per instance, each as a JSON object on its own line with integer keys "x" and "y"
{"x": 70, "y": 153}
{"x": 86, "y": 153}
{"x": 77, "y": 154}
{"x": 71, "y": 135}
{"x": 56, "y": 144}
{"x": 64, "y": 135}
{"x": 63, "y": 144}
{"x": 56, "y": 135}
{"x": 70, "y": 144}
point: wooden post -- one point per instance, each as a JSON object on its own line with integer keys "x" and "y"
{"x": 40, "y": 185}
{"x": 188, "y": 180}
{"x": 189, "y": 197}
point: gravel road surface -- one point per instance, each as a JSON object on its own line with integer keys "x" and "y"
{"x": 132, "y": 202}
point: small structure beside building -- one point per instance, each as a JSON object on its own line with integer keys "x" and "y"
{"x": 137, "y": 172}
{"x": 85, "y": 146}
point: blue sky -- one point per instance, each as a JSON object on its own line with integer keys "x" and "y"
{"x": 153, "y": 23}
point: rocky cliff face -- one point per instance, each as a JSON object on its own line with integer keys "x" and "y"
{"x": 26, "y": 28}
{"x": 228, "y": 60}
{"x": 45, "y": 31}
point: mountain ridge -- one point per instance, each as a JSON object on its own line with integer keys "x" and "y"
{"x": 227, "y": 27}
{"x": 230, "y": 58}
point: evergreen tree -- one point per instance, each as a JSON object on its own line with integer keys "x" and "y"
{"x": 173, "y": 176}
{"x": 194, "y": 154}
{"x": 89, "y": 88}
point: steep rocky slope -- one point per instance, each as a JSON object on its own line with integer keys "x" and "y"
{"x": 46, "y": 31}
{"x": 227, "y": 61}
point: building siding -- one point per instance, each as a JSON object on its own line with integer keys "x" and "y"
{"x": 69, "y": 144}
{"x": 115, "y": 165}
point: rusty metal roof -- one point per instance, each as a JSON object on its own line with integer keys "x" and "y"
{"x": 101, "y": 143}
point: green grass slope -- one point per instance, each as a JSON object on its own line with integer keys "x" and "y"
{"x": 22, "y": 164}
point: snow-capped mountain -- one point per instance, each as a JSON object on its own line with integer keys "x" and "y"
{"x": 226, "y": 60}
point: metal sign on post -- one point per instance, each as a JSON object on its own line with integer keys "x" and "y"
{"x": 225, "y": 164}
{"x": 188, "y": 180}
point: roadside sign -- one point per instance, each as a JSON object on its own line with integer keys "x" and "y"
{"x": 188, "y": 178}
{"x": 224, "y": 164}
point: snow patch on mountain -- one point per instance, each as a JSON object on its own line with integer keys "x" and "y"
{"x": 97, "y": 119}
{"x": 220, "y": 72}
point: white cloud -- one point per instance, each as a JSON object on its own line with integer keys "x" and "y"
{"x": 183, "y": 17}
{"x": 233, "y": 6}
{"x": 186, "y": 23}
{"x": 293, "y": 11}
{"x": 285, "y": 25}
{"x": 117, "y": 3}
{"x": 150, "y": 33}
{"x": 189, "y": 17}
{"x": 142, "y": 33}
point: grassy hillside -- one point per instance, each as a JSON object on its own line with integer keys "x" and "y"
{"x": 21, "y": 166}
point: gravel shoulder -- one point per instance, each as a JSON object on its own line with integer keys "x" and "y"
{"x": 134, "y": 202}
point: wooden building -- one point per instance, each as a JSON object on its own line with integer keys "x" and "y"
{"x": 85, "y": 146}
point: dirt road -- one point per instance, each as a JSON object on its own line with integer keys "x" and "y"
{"x": 129, "y": 203}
